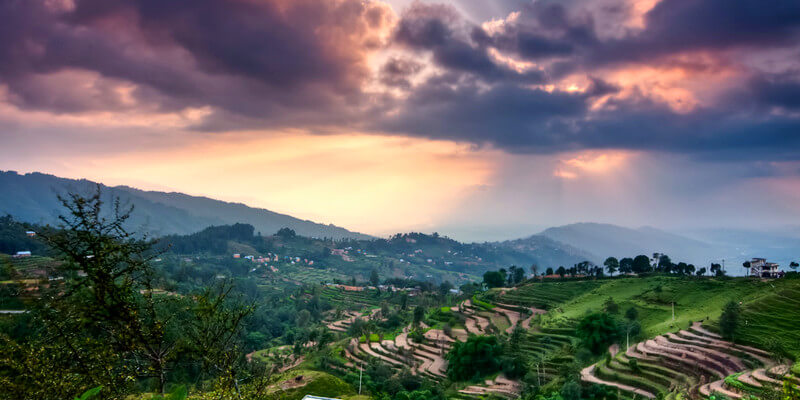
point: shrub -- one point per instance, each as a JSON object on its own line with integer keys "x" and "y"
{"x": 477, "y": 357}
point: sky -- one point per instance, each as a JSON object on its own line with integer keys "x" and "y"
{"x": 481, "y": 120}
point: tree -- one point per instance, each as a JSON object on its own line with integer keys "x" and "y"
{"x": 374, "y": 279}
{"x": 104, "y": 324}
{"x": 549, "y": 271}
{"x": 664, "y": 263}
{"x": 612, "y": 265}
{"x": 729, "y": 320}
{"x": 701, "y": 271}
{"x": 419, "y": 314}
{"x": 477, "y": 357}
{"x": 610, "y": 306}
{"x": 534, "y": 269}
{"x": 717, "y": 270}
{"x": 571, "y": 391}
{"x": 793, "y": 265}
{"x": 597, "y": 331}
{"x": 404, "y": 301}
{"x": 518, "y": 275}
{"x": 493, "y": 279}
{"x": 632, "y": 313}
{"x": 286, "y": 233}
{"x": 561, "y": 271}
{"x": 641, "y": 264}
{"x": 303, "y": 318}
{"x": 626, "y": 265}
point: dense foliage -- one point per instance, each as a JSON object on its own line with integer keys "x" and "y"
{"x": 475, "y": 358}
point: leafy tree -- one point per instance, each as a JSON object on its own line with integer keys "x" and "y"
{"x": 303, "y": 318}
{"x": 104, "y": 324}
{"x": 518, "y": 275}
{"x": 626, "y": 265}
{"x": 477, "y": 357}
{"x": 597, "y": 331}
{"x": 404, "y": 301}
{"x": 534, "y": 269}
{"x": 561, "y": 271}
{"x": 493, "y": 279}
{"x": 701, "y": 271}
{"x": 729, "y": 320}
{"x": 419, "y": 314}
{"x": 641, "y": 264}
{"x": 374, "y": 279}
{"x": 664, "y": 263}
{"x": 549, "y": 271}
{"x": 793, "y": 265}
{"x": 571, "y": 391}
{"x": 632, "y": 313}
{"x": 610, "y": 306}
{"x": 286, "y": 233}
{"x": 612, "y": 265}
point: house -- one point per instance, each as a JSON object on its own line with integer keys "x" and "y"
{"x": 237, "y": 255}
{"x": 759, "y": 267}
{"x": 22, "y": 254}
{"x": 30, "y": 233}
{"x": 312, "y": 397}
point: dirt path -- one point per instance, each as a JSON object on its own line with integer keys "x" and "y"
{"x": 587, "y": 374}
{"x": 761, "y": 375}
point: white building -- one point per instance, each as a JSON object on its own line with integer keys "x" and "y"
{"x": 759, "y": 267}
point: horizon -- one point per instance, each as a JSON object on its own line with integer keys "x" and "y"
{"x": 481, "y": 120}
{"x": 481, "y": 233}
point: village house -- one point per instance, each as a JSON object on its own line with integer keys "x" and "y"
{"x": 759, "y": 267}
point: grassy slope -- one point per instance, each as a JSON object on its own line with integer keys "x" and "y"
{"x": 320, "y": 384}
{"x": 771, "y": 309}
{"x": 774, "y": 315}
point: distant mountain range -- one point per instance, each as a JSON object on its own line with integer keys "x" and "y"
{"x": 604, "y": 240}
{"x": 32, "y": 198}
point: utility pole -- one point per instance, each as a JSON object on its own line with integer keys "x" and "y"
{"x": 673, "y": 311}
{"x": 360, "y": 373}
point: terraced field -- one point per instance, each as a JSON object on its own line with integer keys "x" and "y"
{"x": 427, "y": 357}
{"x": 353, "y": 300}
{"x": 693, "y": 362}
{"x": 773, "y": 317}
{"x": 547, "y": 295}
{"x": 29, "y": 267}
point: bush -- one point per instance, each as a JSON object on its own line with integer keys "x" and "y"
{"x": 477, "y": 357}
{"x": 597, "y": 331}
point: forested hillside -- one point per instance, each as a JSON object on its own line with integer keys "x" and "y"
{"x": 32, "y": 198}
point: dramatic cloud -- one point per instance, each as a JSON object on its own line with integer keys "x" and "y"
{"x": 571, "y": 84}
{"x": 252, "y": 58}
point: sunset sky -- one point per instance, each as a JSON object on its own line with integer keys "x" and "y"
{"x": 478, "y": 119}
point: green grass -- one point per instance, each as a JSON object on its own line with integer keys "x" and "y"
{"x": 772, "y": 318}
{"x": 694, "y": 300}
{"x": 482, "y": 304}
{"x": 319, "y": 384}
{"x": 547, "y": 295}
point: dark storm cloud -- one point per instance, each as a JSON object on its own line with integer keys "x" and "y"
{"x": 397, "y": 71}
{"x": 548, "y": 30}
{"x": 520, "y": 119}
{"x": 254, "y": 58}
{"x": 304, "y": 64}
{"x": 439, "y": 29}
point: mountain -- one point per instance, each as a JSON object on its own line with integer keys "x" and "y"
{"x": 548, "y": 252}
{"x": 604, "y": 240}
{"x": 32, "y": 198}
